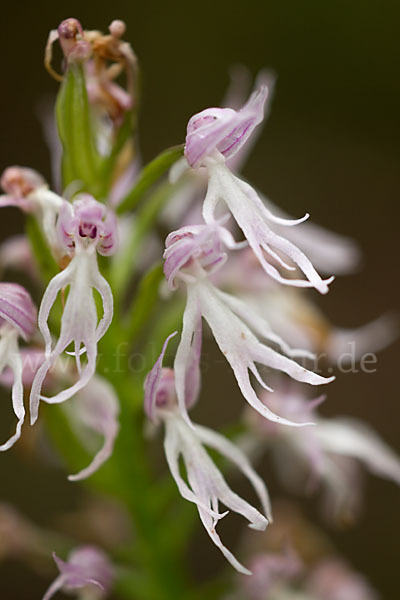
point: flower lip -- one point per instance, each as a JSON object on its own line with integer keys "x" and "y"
{"x": 223, "y": 130}
{"x": 17, "y": 308}
{"x": 166, "y": 394}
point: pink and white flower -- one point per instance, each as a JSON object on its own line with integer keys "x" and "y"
{"x": 272, "y": 572}
{"x": 217, "y": 134}
{"x": 27, "y": 190}
{"x": 17, "y": 319}
{"x": 191, "y": 254}
{"x": 296, "y": 318}
{"x": 283, "y": 576}
{"x": 95, "y": 411}
{"x": 86, "y": 567}
{"x": 328, "y": 251}
{"x": 16, "y": 253}
{"x": 333, "y": 579}
{"x": 205, "y": 485}
{"x": 327, "y": 455}
{"x": 84, "y": 228}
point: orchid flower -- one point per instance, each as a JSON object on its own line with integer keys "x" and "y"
{"x": 31, "y": 359}
{"x": 95, "y": 409}
{"x": 329, "y": 251}
{"x": 296, "y": 318}
{"x": 27, "y": 190}
{"x": 17, "y": 318}
{"x": 272, "y": 572}
{"x": 333, "y": 579}
{"x": 205, "y": 485}
{"x": 87, "y": 566}
{"x": 191, "y": 254}
{"x": 16, "y": 253}
{"x": 213, "y": 137}
{"x": 331, "y": 451}
{"x": 83, "y": 228}
{"x": 283, "y": 576}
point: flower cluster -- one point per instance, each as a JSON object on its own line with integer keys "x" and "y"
{"x": 233, "y": 261}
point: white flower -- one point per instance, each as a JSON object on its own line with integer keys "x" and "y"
{"x": 87, "y": 568}
{"x": 205, "y": 485}
{"x": 216, "y": 135}
{"x": 330, "y": 453}
{"x": 296, "y": 318}
{"x": 84, "y": 228}
{"x": 95, "y": 410}
{"x": 26, "y": 189}
{"x": 17, "y": 318}
{"x": 190, "y": 254}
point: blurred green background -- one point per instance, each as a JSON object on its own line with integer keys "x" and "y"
{"x": 331, "y": 147}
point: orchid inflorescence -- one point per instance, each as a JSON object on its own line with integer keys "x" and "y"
{"x": 232, "y": 260}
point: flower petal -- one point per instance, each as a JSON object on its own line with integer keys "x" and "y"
{"x": 17, "y": 393}
{"x": 96, "y": 408}
{"x": 351, "y": 437}
{"x": 234, "y": 454}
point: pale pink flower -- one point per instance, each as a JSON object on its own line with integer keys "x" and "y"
{"x": 86, "y": 567}
{"x": 217, "y": 134}
{"x": 328, "y": 251}
{"x": 327, "y": 455}
{"x": 27, "y": 190}
{"x": 95, "y": 411}
{"x": 191, "y": 254}
{"x": 31, "y": 358}
{"x": 84, "y": 228}
{"x": 333, "y": 579}
{"x": 16, "y": 253}
{"x": 205, "y": 485}
{"x": 296, "y": 318}
{"x": 17, "y": 319}
{"x": 272, "y": 572}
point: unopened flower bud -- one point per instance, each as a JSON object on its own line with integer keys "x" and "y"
{"x": 117, "y": 28}
{"x": 69, "y": 32}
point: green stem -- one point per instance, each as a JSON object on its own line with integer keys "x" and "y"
{"x": 80, "y": 159}
{"x": 149, "y": 175}
{"x": 145, "y": 301}
{"x": 125, "y": 266}
{"x": 46, "y": 263}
